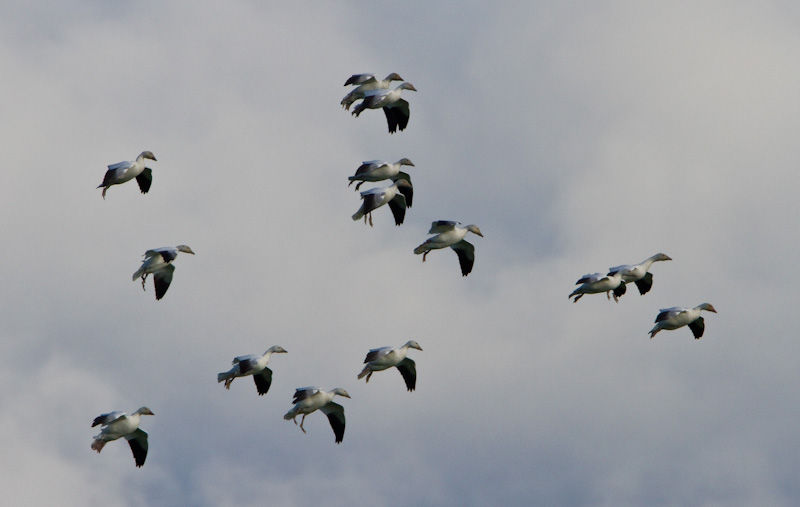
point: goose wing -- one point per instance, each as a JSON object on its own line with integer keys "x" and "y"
{"x": 138, "y": 442}
{"x": 408, "y": 370}
{"x": 466, "y": 256}
{"x": 161, "y": 280}
{"x": 263, "y": 380}
{"x": 335, "y": 413}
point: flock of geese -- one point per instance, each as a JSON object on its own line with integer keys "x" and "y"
{"x": 374, "y": 93}
{"x": 614, "y": 283}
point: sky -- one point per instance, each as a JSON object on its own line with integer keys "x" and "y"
{"x": 576, "y": 135}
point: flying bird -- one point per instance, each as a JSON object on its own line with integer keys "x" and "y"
{"x": 121, "y": 172}
{"x": 595, "y": 283}
{"x": 308, "y": 399}
{"x": 378, "y": 170}
{"x": 117, "y": 425}
{"x": 255, "y": 365}
{"x": 159, "y": 262}
{"x": 398, "y": 196}
{"x": 394, "y": 107}
{"x": 365, "y": 83}
{"x": 640, "y": 273}
{"x": 386, "y": 357}
{"x": 448, "y": 233}
{"x": 675, "y": 317}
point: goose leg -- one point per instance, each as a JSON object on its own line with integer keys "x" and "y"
{"x": 301, "y": 423}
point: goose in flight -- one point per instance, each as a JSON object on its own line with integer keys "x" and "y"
{"x": 398, "y": 196}
{"x": 394, "y": 106}
{"x": 450, "y": 234}
{"x": 159, "y": 262}
{"x": 255, "y": 365}
{"x": 117, "y": 425}
{"x": 378, "y": 170}
{"x": 365, "y": 83}
{"x": 121, "y": 172}
{"x": 640, "y": 273}
{"x": 675, "y": 317}
{"x": 596, "y": 283}
{"x": 386, "y": 357}
{"x": 308, "y": 399}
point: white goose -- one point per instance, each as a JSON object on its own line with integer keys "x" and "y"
{"x": 449, "y": 234}
{"x": 394, "y": 106}
{"x": 121, "y": 172}
{"x": 255, "y": 365}
{"x": 399, "y": 196}
{"x": 308, "y": 399}
{"x": 596, "y": 283}
{"x": 675, "y": 317}
{"x": 158, "y": 261}
{"x": 117, "y": 425}
{"x": 378, "y": 170}
{"x": 386, "y": 357}
{"x": 640, "y": 273}
{"x": 365, "y": 83}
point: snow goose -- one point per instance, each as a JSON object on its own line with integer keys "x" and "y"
{"x": 255, "y": 365}
{"x": 596, "y": 283}
{"x": 159, "y": 262}
{"x": 386, "y": 357}
{"x": 675, "y": 317}
{"x": 308, "y": 399}
{"x": 119, "y": 424}
{"x": 399, "y": 197}
{"x": 640, "y": 273}
{"x": 121, "y": 172}
{"x": 448, "y": 233}
{"x": 378, "y": 170}
{"x": 365, "y": 83}
{"x": 394, "y": 107}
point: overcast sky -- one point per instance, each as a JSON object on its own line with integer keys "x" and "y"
{"x": 576, "y": 135}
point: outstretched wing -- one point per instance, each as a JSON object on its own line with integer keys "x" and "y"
{"x": 263, "y": 380}
{"x": 697, "y": 327}
{"x": 408, "y": 370}
{"x": 145, "y": 179}
{"x": 335, "y": 413}
{"x": 398, "y": 207}
{"x": 138, "y": 442}
{"x": 466, "y": 256}
{"x": 161, "y": 280}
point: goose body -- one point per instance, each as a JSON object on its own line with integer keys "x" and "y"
{"x": 398, "y": 196}
{"x": 596, "y": 283}
{"x": 450, "y": 234}
{"x": 365, "y": 83}
{"x": 116, "y": 425}
{"x": 387, "y": 357}
{"x": 158, "y": 261}
{"x": 640, "y": 273}
{"x": 121, "y": 172}
{"x": 378, "y": 170}
{"x": 255, "y": 365}
{"x": 676, "y": 317}
{"x": 309, "y": 399}
{"x": 394, "y": 106}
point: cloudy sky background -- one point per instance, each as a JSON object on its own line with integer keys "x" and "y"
{"x": 578, "y": 136}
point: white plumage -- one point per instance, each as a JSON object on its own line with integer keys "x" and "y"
{"x": 640, "y": 273}
{"x": 595, "y": 283}
{"x": 118, "y": 425}
{"x": 394, "y": 106}
{"x": 121, "y": 172}
{"x": 384, "y": 358}
{"x": 398, "y": 196}
{"x": 365, "y": 83}
{"x": 309, "y": 399}
{"x": 158, "y": 261}
{"x": 255, "y": 365}
{"x": 449, "y": 234}
{"x": 675, "y": 317}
